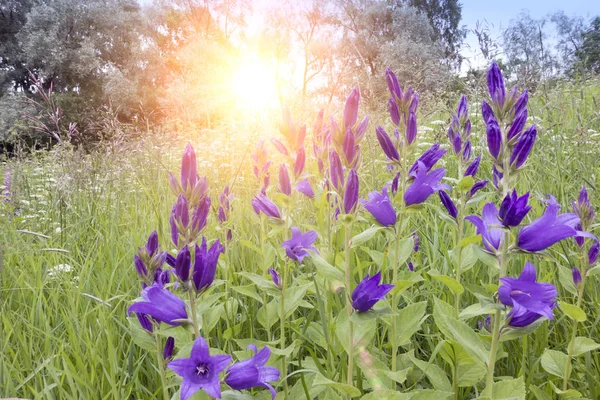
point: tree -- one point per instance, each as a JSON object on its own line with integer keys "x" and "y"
{"x": 569, "y": 31}
{"x": 588, "y": 55}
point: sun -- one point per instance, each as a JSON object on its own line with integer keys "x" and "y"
{"x": 254, "y": 84}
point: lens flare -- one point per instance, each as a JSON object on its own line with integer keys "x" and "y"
{"x": 254, "y": 84}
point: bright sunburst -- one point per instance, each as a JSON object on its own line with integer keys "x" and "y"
{"x": 254, "y": 84}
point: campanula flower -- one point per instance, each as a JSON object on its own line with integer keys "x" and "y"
{"x": 297, "y": 247}
{"x": 411, "y": 128}
{"x": 335, "y": 170}
{"x": 169, "y": 347}
{"x": 224, "y": 205}
{"x": 513, "y": 209}
{"x": 387, "y": 145}
{"x": 189, "y": 173}
{"x": 517, "y": 125}
{"x": 523, "y": 148}
{"x": 304, "y": 187}
{"x": 205, "y": 264}
{"x": 496, "y": 87}
{"x": 351, "y": 150}
{"x": 368, "y": 292}
{"x": 411, "y": 267}
{"x": 494, "y": 138}
{"x": 380, "y": 207}
{"x": 261, "y": 203}
{"x": 145, "y": 322}
{"x": 253, "y": 372}
{"x": 463, "y": 110}
{"x": 576, "y": 276}
{"x": 477, "y": 187}
{"x": 593, "y": 253}
{"x": 530, "y": 300}
{"x": 161, "y": 305}
{"x": 429, "y": 158}
{"x": 550, "y": 228}
{"x": 466, "y": 154}
{"x": 583, "y": 208}
{"x": 180, "y": 218}
{"x": 416, "y": 242}
{"x": 473, "y": 167}
{"x": 488, "y": 227}
{"x": 351, "y": 193}
{"x": 140, "y": 267}
{"x": 394, "y": 112}
{"x": 285, "y": 185}
{"x": 486, "y": 112}
{"x": 299, "y": 162}
{"x": 183, "y": 263}
{"x": 424, "y": 185}
{"x": 276, "y": 278}
{"x": 200, "y": 371}
{"x": 351, "y": 108}
{"x": 448, "y": 204}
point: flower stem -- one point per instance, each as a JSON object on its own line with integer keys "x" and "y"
{"x": 347, "y": 233}
{"x": 161, "y": 368}
{"x": 459, "y": 237}
{"x": 282, "y": 329}
{"x": 192, "y": 295}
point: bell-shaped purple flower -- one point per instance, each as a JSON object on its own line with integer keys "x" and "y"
{"x": 448, "y": 204}
{"x": 428, "y": 159}
{"x": 593, "y": 253}
{"x": 183, "y": 263}
{"x": 473, "y": 167}
{"x": 549, "y": 229}
{"x": 189, "y": 173}
{"x": 161, "y": 305}
{"x": 494, "y": 138}
{"x": 351, "y": 192}
{"x": 523, "y": 147}
{"x": 205, "y": 264}
{"x": 424, "y": 185}
{"x": 368, "y": 292}
{"x": 169, "y": 347}
{"x": 200, "y": 371}
{"x": 297, "y": 247}
{"x": 253, "y": 372}
{"x": 304, "y": 187}
{"x": 261, "y": 203}
{"x": 411, "y": 128}
{"x": 496, "y": 87}
{"x": 530, "y": 300}
{"x": 513, "y": 209}
{"x": 491, "y": 236}
{"x": 275, "y": 277}
{"x": 380, "y": 207}
{"x": 285, "y": 185}
{"x": 386, "y": 144}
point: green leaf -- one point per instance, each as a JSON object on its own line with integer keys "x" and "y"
{"x": 583, "y": 345}
{"x": 566, "y": 394}
{"x": 263, "y": 283}
{"x": 477, "y": 309}
{"x": 326, "y": 270}
{"x": 406, "y": 250}
{"x": 363, "y": 332}
{"x": 140, "y": 336}
{"x": 539, "y": 393}
{"x": 452, "y": 283}
{"x": 340, "y": 387}
{"x": 381, "y": 312}
{"x": 402, "y": 284}
{"x": 510, "y": 333}
{"x": 469, "y": 240}
{"x": 565, "y": 277}
{"x": 486, "y": 258}
{"x": 465, "y": 183}
{"x": 293, "y": 298}
{"x": 410, "y": 320}
{"x": 510, "y": 389}
{"x": 469, "y": 339}
{"x": 248, "y": 290}
{"x": 364, "y": 236}
{"x": 435, "y": 374}
{"x": 554, "y": 362}
{"x": 573, "y": 312}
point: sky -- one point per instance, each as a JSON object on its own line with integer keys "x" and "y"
{"x": 498, "y": 14}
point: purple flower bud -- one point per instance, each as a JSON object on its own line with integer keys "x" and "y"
{"x": 513, "y": 209}
{"x": 205, "y": 264}
{"x": 583, "y": 208}
{"x": 394, "y": 112}
{"x": 299, "y": 163}
{"x": 497, "y": 175}
{"x": 576, "y": 276}
{"x": 494, "y": 138}
{"x": 200, "y": 215}
{"x": 350, "y": 148}
{"x": 279, "y": 146}
{"x": 457, "y": 144}
{"x": 487, "y": 112}
{"x": 351, "y": 108}
{"x": 368, "y": 292}
{"x": 161, "y": 305}
{"x": 305, "y": 188}
{"x": 261, "y": 203}
{"x": 386, "y": 144}
{"x": 395, "y": 183}
{"x": 183, "y": 264}
{"x": 416, "y": 241}
{"x": 518, "y": 124}
{"x": 361, "y": 129}
{"x": 593, "y": 253}
{"x": 392, "y": 82}
{"x": 285, "y": 186}
{"x": 351, "y": 193}
{"x": 411, "y": 267}
{"x": 140, "y": 267}
{"x": 473, "y": 167}
{"x": 463, "y": 111}
{"x": 523, "y": 147}
{"x": 448, "y": 203}
{"x": 495, "y": 83}
{"x": 189, "y": 174}
{"x": 152, "y": 244}
{"x": 145, "y": 322}
{"x": 169, "y": 347}
{"x": 411, "y": 128}
{"x": 428, "y": 159}
{"x": 467, "y": 129}
{"x": 276, "y": 278}
{"x": 521, "y": 104}
{"x": 335, "y": 170}
{"x": 466, "y": 154}
{"x": 477, "y": 187}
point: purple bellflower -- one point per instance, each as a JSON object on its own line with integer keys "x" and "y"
{"x": 576, "y": 276}
{"x": 169, "y": 347}
{"x": 253, "y": 372}
{"x": 275, "y": 277}
{"x": 304, "y": 187}
{"x": 285, "y": 185}
{"x": 205, "y": 264}
{"x": 297, "y": 247}
{"x": 183, "y": 264}
{"x": 496, "y": 87}
{"x": 513, "y": 209}
{"x": 351, "y": 192}
{"x": 494, "y": 138}
{"x": 368, "y": 292}
{"x": 200, "y": 371}
{"x": 424, "y": 185}
{"x": 380, "y": 207}
{"x": 473, "y": 167}
{"x": 261, "y": 203}
{"x": 448, "y": 204}
{"x": 488, "y": 227}
{"x": 161, "y": 305}
{"x": 530, "y": 300}
{"x": 550, "y": 228}
{"x": 387, "y": 144}
{"x": 523, "y": 147}
{"x": 428, "y": 159}
{"x": 593, "y": 253}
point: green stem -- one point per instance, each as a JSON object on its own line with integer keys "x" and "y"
{"x": 347, "y": 233}
{"x": 192, "y": 295}
{"x": 161, "y": 368}
{"x": 282, "y": 329}
{"x": 459, "y": 237}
